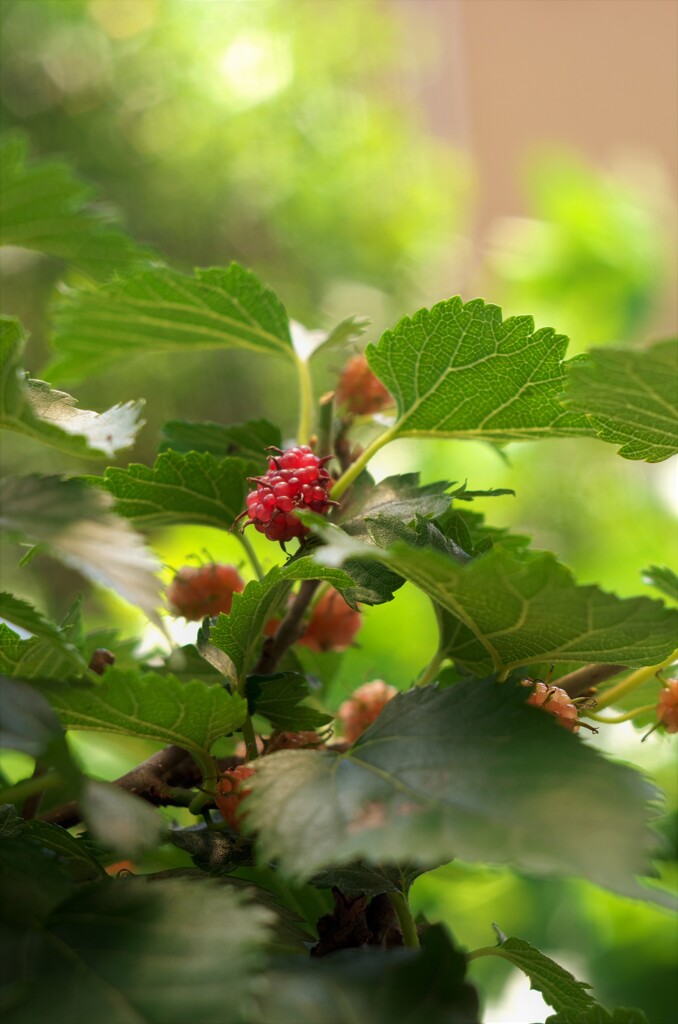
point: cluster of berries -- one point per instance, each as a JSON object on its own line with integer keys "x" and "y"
{"x": 296, "y": 479}
{"x": 554, "y": 700}
{"x": 667, "y": 707}
{"x": 197, "y": 591}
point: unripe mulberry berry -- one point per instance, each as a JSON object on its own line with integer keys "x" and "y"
{"x": 359, "y": 390}
{"x": 332, "y": 626}
{"x": 203, "y": 590}
{"x": 667, "y": 708}
{"x": 293, "y": 741}
{"x": 296, "y": 480}
{"x": 231, "y": 793}
{"x": 554, "y": 700}
{"x": 363, "y": 707}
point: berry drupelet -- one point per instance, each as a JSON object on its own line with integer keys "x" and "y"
{"x": 296, "y": 480}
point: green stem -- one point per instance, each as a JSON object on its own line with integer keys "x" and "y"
{"x": 405, "y": 919}
{"x": 305, "y": 401}
{"x": 210, "y": 774}
{"x": 250, "y": 740}
{"x": 431, "y": 670}
{"x": 356, "y": 468}
{"x": 325, "y": 445}
{"x": 632, "y": 682}
{"x": 38, "y": 784}
{"x": 486, "y": 951}
{"x": 620, "y": 718}
{"x": 252, "y": 555}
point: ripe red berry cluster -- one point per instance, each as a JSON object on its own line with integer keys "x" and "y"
{"x": 296, "y": 479}
{"x": 197, "y": 591}
{"x": 359, "y": 390}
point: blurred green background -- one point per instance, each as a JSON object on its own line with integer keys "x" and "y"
{"x": 301, "y": 139}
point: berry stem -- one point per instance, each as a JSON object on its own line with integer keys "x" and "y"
{"x": 620, "y": 718}
{"x": 28, "y": 787}
{"x": 405, "y": 919}
{"x": 354, "y": 471}
{"x": 252, "y": 753}
{"x": 210, "y": 774}
{"x": 633, "y": 681}
{"x": 305, "y": 401}
{"x": 325, "y": 424}
{"x": 431, "y": 670}
{"x": 252, "y": 555}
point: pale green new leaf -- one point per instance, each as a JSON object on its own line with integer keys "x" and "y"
{"x": 32, "y": 408}
{"x": 130, "y": 951}
{"x": 630, "y": 398}
{"x": 244, "y": 440}
{"x": 76, "y": 525}
{"x": 238, "y": 633}
{"x": 164, "y": 311}
{"x": 191, "y": 715}
{"x": 181, "y": 488}
{"x": 44, "y": 207}
{"x": 470, "y": 772}
{"x": 458, "y": 370}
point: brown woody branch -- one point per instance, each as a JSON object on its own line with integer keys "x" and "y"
{"x": 584, "y": 679}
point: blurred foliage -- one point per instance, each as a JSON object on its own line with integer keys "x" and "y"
{"x": 595, "y": 258}
{"x": 274, "y": 132}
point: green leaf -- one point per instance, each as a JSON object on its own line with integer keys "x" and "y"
{"x": 32, "y": 408}
{"x": 597, "y": 1014}
{"x": 238, "y": 633}
{"x": 44, "y": 207}
{"x": 71, "y": 853}
{"x": 244, "y": 440}
{"x": 630, "y": 398}
{"x": 400, "y": 497}
{"x": 663, "y": 579}
{"x": 470, "y": 772}
{"x": 74, "y": 523}
{"x": 128, "y": 951}
{"x": 48, "y": 640}
{"x": 191, "y": 715}
{"x": 278, "y": 698}
{"x": 121, "y": 822}
{"x": 287, "y": 934}
{"x": 164, "y": 311}
{"x": 511, "y": 609}
{"x": 560, "y": 989}
{"x": 458, "y": 370}
{"x": 370, "y": 986}
{"x": 190, "y": 488}
{"x": 367, "y": 879}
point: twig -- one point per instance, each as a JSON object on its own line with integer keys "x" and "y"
{"x": 288, "y": 630}
{"x": 579, "y": 682}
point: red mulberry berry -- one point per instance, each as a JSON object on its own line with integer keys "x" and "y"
{"x": 667, "y": 708}
{"x": 359, "y": 390}
{"x": 204, "y": 590}
{"x": 363, "y": 707}
{"x": 231, "y": 793}
{"x": 296, "y": 480}
{"x": 554, "y": 700}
